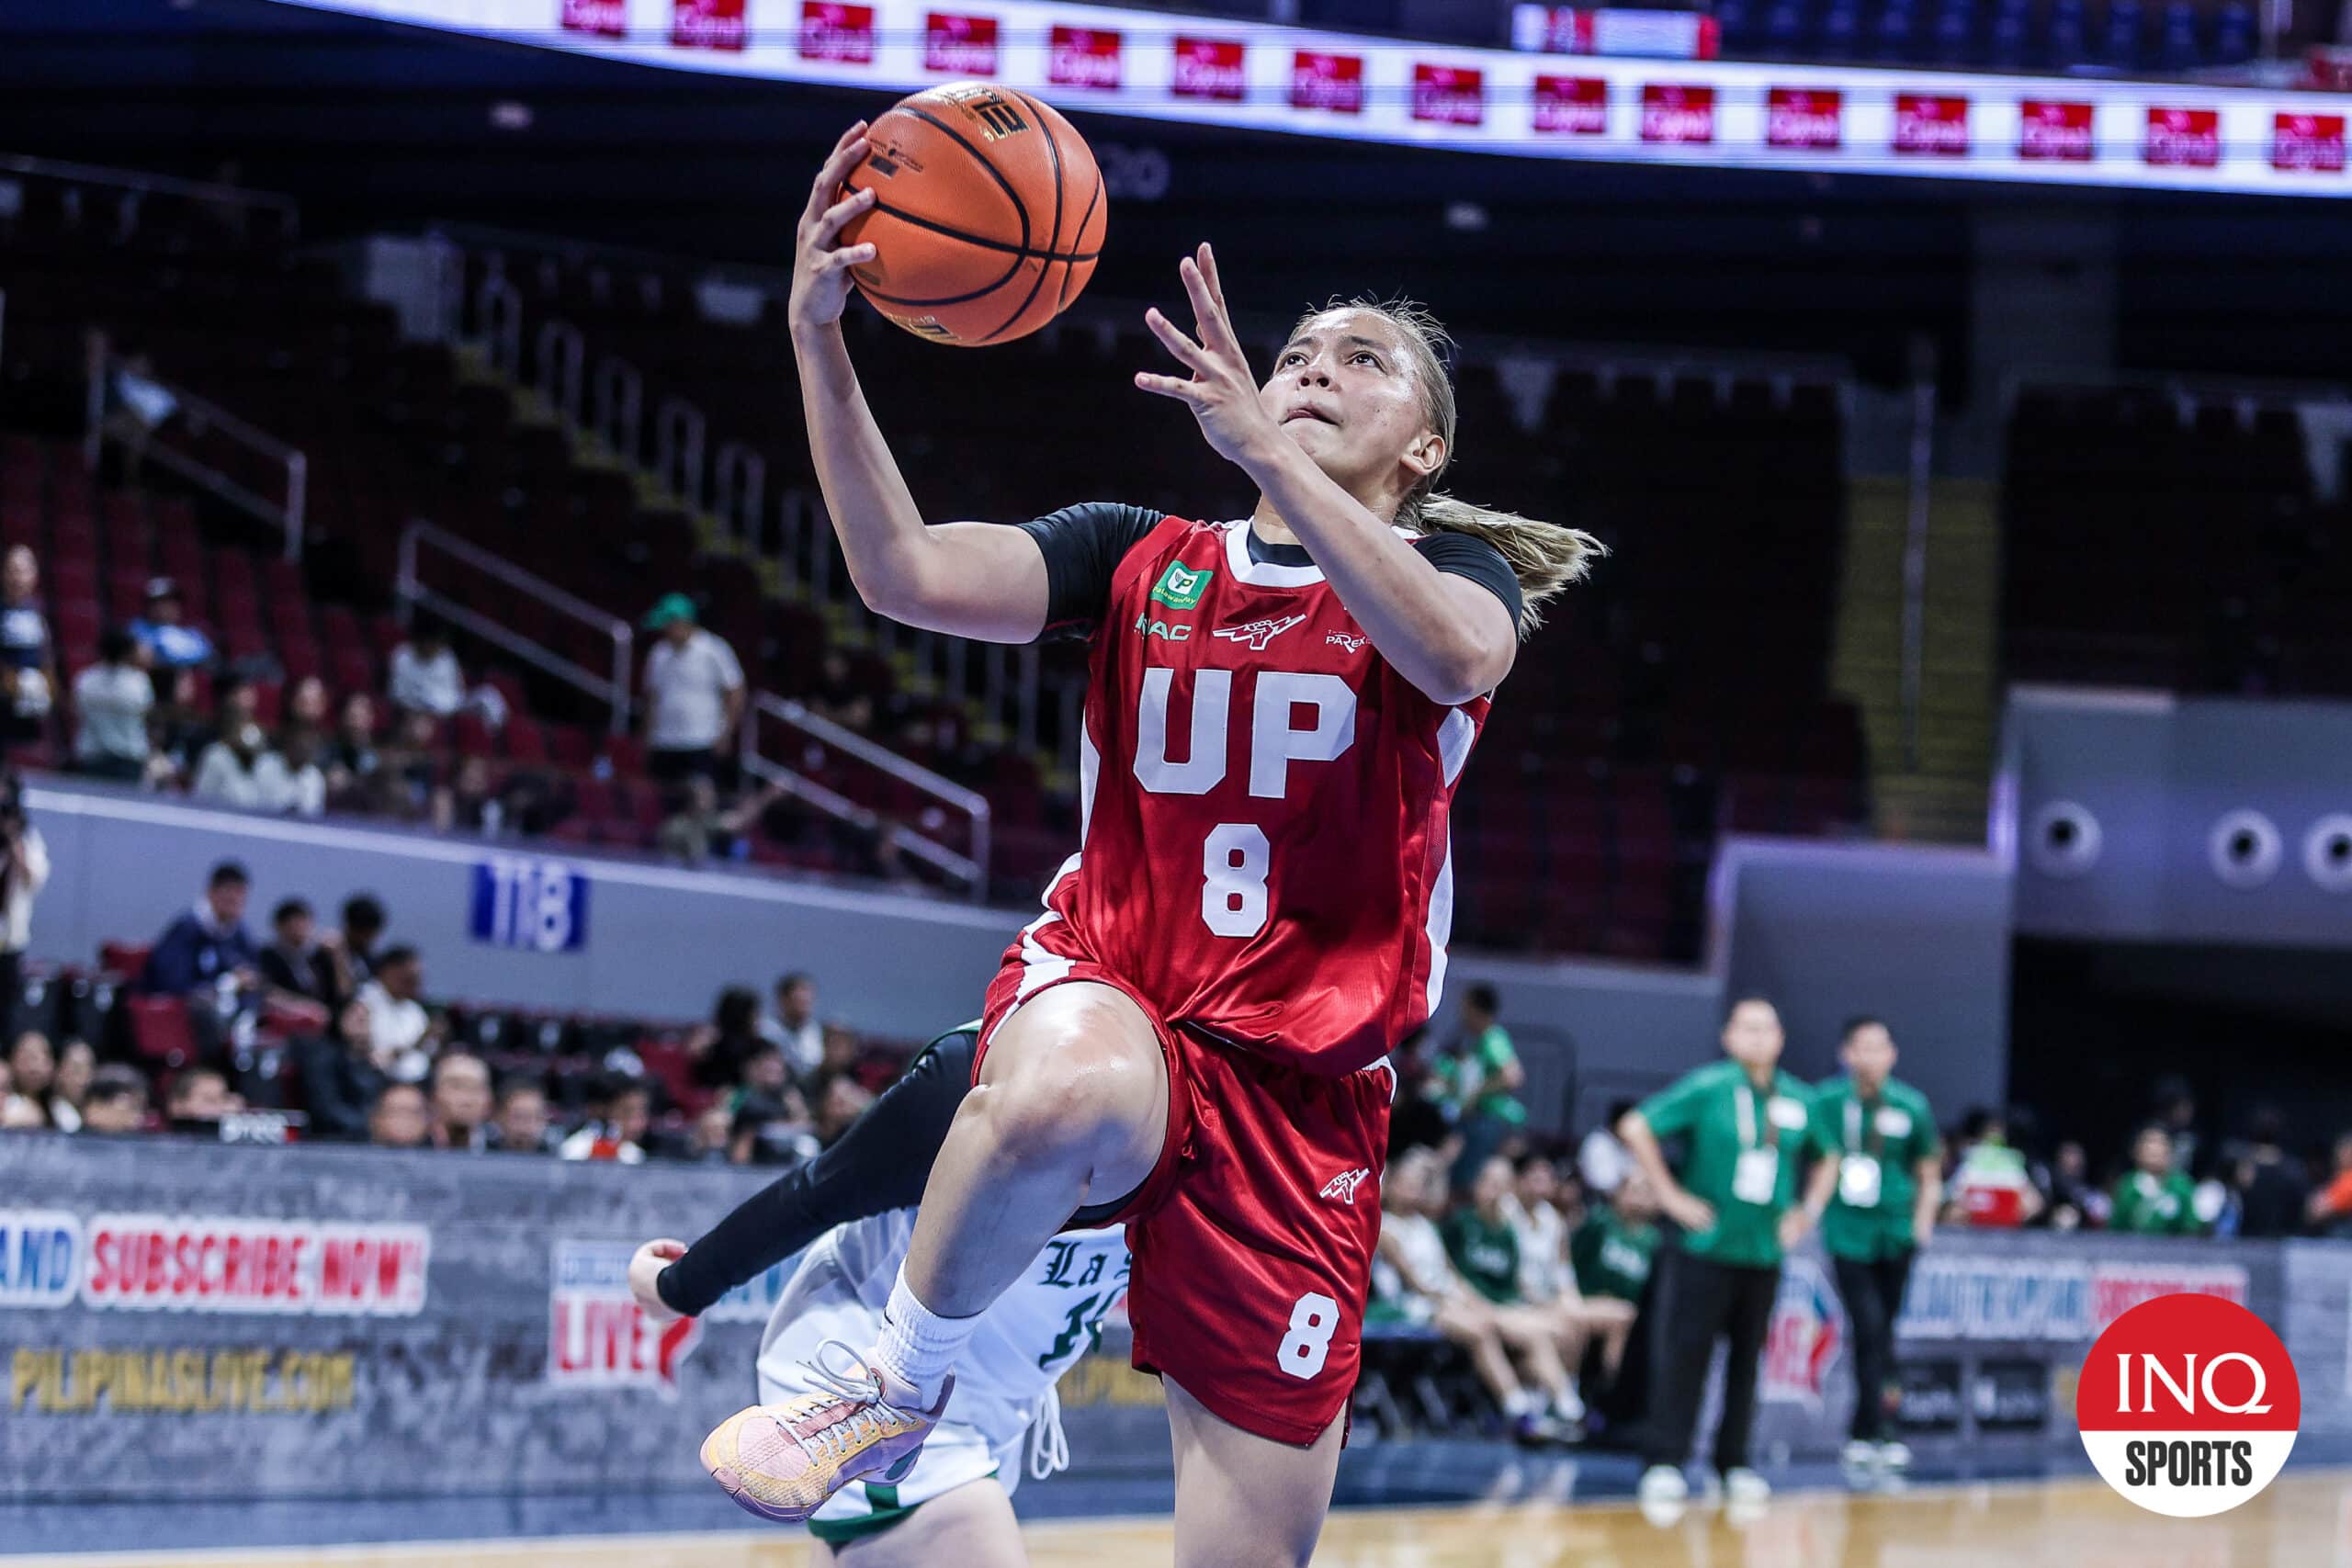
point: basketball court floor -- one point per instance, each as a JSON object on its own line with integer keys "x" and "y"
{"x": 2304, "y": 1520}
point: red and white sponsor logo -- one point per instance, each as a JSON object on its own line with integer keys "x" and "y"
{"x": 959, "y": 46}
{"x": 2308, "y": 143}
{"x": 1805, "y": 117}
{"x": 2189, "y": 1406}
{"x": 605, "y": 18}
{"x": 598, "y": 1336}
{"x": 2055, "y": 130}
{"x": 1329, "y": 82}
{"x": 1678, "y": 114}
{"x": 1082, "y": 57}
{"x": 2117, "y": 1288}
{"x": 1209, "y": 68}
{"x": 829, "y": 31}
{"x": 708, "y": 24}
{"x": 1552, "y": 29}
{"x": 1931, "y": 124}
{"x": 154, "y": 1263}
{"x": 2186, "y": 139}
{"x": 1568, "y": 29}
{"x": 1572, "y": 106}
{"x": 1449, "y": 95}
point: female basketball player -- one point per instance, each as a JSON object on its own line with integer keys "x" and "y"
{"x": 1198, "y": 1024}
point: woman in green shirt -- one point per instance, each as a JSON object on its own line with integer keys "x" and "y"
{"x": 2152, "y": 1199}
{"x": 1744, "y": 1122}
{"x": 1485, "y": 1251}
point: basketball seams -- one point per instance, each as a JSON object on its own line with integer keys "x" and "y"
{"x": 980, "y": 241}
{"x": 1020, "y": 207}
{"x": 1070, "y": 266}
{"x": 1053, "y": 150}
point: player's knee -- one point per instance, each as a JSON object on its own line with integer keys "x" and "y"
{"x": 1077, "y": 1096}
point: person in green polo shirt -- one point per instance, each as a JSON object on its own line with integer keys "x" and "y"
{"x": 1874, "y": 1192}
{"x": 1742, "y": 1122}
{"x": 2152, "y": 1199}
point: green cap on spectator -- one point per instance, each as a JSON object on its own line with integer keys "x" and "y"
{"x": 673, "y": 607}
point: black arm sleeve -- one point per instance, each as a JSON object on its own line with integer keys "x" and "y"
{"x": 1475, "y": 560}
{"x": 880, "y": 1164}
{"x": 1083, "y": 546}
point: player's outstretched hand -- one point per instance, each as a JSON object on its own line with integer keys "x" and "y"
{"x": 645, "y": 1268}
{"x": 821, "y": 262}
{"x": 1221, "y": 392}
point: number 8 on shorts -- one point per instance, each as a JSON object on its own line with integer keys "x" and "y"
{"x": 1313, "y": 1321}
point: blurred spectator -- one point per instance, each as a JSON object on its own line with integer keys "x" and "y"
{"x": 32, "y": 1073}
{"x": 242, "y": 770}
{"x": 353, "y": 764}
{"x": 693, "y": 689}
{"x": 837, "y": 1100}
{"x": 711, "y": 1139}
{"x": 1413, "y": 1282}
{"x": 28, "y": 666}
{"x": 2272, "y": 1193}
{"x": 699, "y": 829}
{"x": 1991, "y": 1188}
{"x": 340, "y": 1078}
{"x": 1601, "y": 1160}
{"x": 23, "y": 872}
{"x": 117, "y": 1103}
{"x": 199, "y": 1098}
{"x": 205, "y": 943}
{"x": 765, "y": 1074}
{"x": 522, "y": 1118}
{"x": 1489, "y": 1080}
{"x": 306, "y": 780}
{"x": 294, "y": 965}
{"x": 840, "y": 1052}
{"x": 772, "y": 1128}
{"x": 309, "y": 710}
{"x": 1616, "y": 1247}
{"x": 471, "y": 803}
{"x": 615, "y": 1131}
{"x": 354, "y": 944}
{"x": 2331, "y": 1206}
{"x": 793, "y": 1027}
{"x": 70, "y": 1091}
{"x": 721, "y": 1048}
{"x": 2075, "y": 1201}
{"x": 178, "y": 725}
{"x": 425, "y": 675}
{"x": 170, "y": 641}
{"x": 400, "y": 1032}
{"x": 1424, "y": 1115}
{"x": 1544, "y": 1210}
{"x": 412, "y": 767}
{"x": 112, "y": 699}
{"x": 1480, "y": 1241}
{"x": 399, "y": 1119}
{"x": 2176, "y": 1112}
{"x": 462, "y": 1105}
{"x": 2154, "y": 1198}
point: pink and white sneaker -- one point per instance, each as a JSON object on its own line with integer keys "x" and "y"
{"x": 781, "y": 1462}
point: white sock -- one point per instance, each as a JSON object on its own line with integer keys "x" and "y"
{"x": 918, "y": 1347}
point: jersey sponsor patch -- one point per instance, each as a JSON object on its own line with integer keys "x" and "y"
{"x": 1257, "y": 634}
{"x": 1348, "y": 640}
{"x": 1343, "y": 1186}
{"x": 1180, "y": 586}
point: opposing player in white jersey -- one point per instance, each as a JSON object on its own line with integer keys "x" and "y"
{"x": 848, "y": 1216}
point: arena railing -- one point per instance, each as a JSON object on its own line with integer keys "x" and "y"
{"x": 411, "y": 591}
{"x": 149, "y": 437}
{"x": 972, "y": 870}
{"x": 136, "y": 183}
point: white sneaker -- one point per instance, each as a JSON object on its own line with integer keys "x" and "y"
{"x": 1742, "y": 1484}
{"x": 1894, "y": 1455}
{"x": 1663, "y": 1484}
{"x": 1569, "y": 1410}
{"x": 1860, "y": 1455}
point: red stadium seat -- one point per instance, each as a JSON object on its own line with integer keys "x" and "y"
{"x": 160, "y": 1030}
{"x": 123, "y": 958}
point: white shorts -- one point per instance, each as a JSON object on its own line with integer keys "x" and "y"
{"x": 818, "y": 1304}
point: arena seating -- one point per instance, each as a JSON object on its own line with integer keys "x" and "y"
{"x": 2130, "y": 37}
{"x": 1687, "y": 681}
{"x": 2155, "y": 537}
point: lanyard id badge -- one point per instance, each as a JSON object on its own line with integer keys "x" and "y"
{"x": 1857, "y": 1181}
{"x": 1756, "y": 1178}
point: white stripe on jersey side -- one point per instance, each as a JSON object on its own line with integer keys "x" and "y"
{"x": 1089, "y": 765}
{"x": 1454, "y": 738}
{"x": 1269, "y": 574}
{"x": 1039, "y": 967}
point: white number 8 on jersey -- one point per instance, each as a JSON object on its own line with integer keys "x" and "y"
{"x": 1305, "y": 1348}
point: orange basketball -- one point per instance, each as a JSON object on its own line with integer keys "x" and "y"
{"x": 988, "y": 215}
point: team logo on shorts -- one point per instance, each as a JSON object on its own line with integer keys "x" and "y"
{"x": 1257, "y": 634}
{"x": 1343, "y": 1186}
{"x": 1180, "y": 587}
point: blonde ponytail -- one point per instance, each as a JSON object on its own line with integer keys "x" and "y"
{"x": 1545, "y": 557}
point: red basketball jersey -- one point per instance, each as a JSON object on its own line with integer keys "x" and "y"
{"x": 1264, "y": 853}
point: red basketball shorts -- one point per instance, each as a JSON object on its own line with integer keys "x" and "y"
{"x": 1253, "y": 1236}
